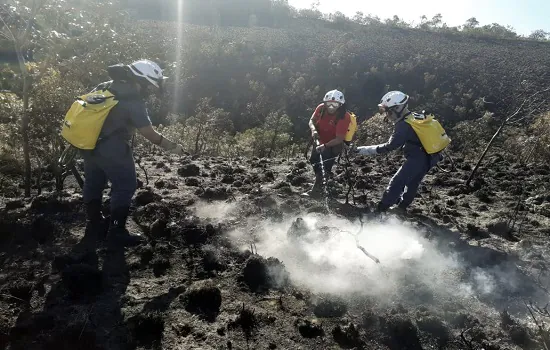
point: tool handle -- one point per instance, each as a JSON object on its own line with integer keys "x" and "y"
{"x": 369, "y": 254}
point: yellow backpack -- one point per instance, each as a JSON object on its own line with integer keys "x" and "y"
{"x": 352, "y": 128}
{"x": 431, "y": 134}
{"x": 84, "y": 120}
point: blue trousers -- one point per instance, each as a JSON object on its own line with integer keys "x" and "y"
{"x": 113, "y": 161}
{"x": 404, "y": 184}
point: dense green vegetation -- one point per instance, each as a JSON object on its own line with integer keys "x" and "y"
{"x": 245, "y": 75}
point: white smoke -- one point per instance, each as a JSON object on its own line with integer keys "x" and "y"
{"x": 485, "y": 282}
{"x": 326, "y": 259}
{"x": 218, "y": 210}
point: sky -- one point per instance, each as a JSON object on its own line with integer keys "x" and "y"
{"x": 524, "y": 16}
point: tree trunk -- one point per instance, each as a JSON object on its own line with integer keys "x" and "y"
{"x": 183, "y": 136}
{"x": 197, "y": 139}
{"x": 308, "y": 146}
{"x": 59, "y": 177}
{"x": 485, "y": 151}
{"x": 26, "y": 147}
{"x": 39, "y": 178}
{"x": 273, "y": 140}
{"x": 25, "y": 119}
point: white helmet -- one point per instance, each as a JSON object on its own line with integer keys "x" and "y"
{"x": 148, "y": 70}
{"x": 334, "y": 95}
{"x": 392, "y": 99}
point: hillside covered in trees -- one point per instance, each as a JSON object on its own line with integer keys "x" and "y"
{"x": 233, "y": 256}
{"x": 253, "y": 76}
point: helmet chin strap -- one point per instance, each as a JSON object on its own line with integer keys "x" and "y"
{"x": 401, "y": 114}
{"x": 144, "y": 90}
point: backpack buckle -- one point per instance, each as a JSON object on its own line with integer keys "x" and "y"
{"x": 96, "y": 99}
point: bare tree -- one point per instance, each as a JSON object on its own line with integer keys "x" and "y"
{"x": 530, "y": 105}
{"x": 19, "y": 34}
{"x": 276, "y": 124}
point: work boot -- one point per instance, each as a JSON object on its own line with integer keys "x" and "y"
{"x": 118, "y": 234}
{"x": 380, "y": 208}
{"x": 96, "y": 225}
{"x": 317, "y": 188}
{"x": 384, "y": 209}
{"x": 397, "y": 210}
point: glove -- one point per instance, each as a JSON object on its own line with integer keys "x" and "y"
{"x": 170, "y": 146}
{"x": 178, "y": 150}
{"x": 367, "y": 150}
{"x": 320, "y": 148}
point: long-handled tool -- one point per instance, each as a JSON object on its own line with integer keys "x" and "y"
{"x": 325, "y": 190}
{"x": 356, "y": 237}
{"x": 67, "y": 164}
{"x": 361, "y": 248}
{"x": 368, "y": 254}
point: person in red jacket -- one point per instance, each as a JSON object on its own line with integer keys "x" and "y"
{"x": 329, "y": 124}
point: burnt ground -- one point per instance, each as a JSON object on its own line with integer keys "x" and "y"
{"x": 216, "y": 273}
